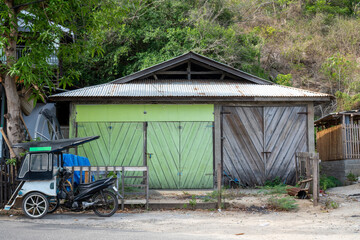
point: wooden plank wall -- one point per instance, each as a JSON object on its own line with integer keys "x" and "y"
{"x": 260, "y": 142}
{"x": 243, "y": 144}
{"x": 351, "y": 141}
{"x": 329, "y": 143}
{"x": 285, "y": 134}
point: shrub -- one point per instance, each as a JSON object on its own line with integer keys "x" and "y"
{"x": 351, "y": 177}
{"x": 193, "y": 202}
{"x": 327, "y": 182}
{"x": 285, "y": 203}
{"x": 278, "y": 189}
{"x": 272, "y": 183}
{"x": 274, "y": 186}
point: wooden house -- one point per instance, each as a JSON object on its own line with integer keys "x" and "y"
{"x": 338, "y": 143}
{"x": 184, "y": 116}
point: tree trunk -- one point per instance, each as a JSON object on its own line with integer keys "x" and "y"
{"x": 13, "y": 121}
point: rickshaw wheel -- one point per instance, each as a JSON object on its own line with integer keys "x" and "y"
{"x": 105, "y": 208}
{"x": 54, "y": 204}
{"x": 35, "y": 205}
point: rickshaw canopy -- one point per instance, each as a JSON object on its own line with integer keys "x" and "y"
{"x": 54, "y": 145}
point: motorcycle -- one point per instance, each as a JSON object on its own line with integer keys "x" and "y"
{"x": 45, "y": 186}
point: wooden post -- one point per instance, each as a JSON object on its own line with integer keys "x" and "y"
{"x": 147, "y": 188}
{"x": 308, "y": 167}
{"x": 315, "y": 173}
{"x": 296, "y": 167}
{"x": 219, "y": 184}
{"x": 122, "y": 187}
{"x": 217, "y": 139}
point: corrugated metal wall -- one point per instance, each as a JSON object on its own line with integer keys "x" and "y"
{"x": 260, "y": 142}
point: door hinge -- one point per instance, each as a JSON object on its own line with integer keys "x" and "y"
{"x": 306, "y": 113}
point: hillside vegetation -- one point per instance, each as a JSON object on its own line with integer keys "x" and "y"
{"x": 311, "y": 44}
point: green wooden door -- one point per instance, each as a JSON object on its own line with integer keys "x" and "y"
{"x": 196, "y": 155}
{"x": 120, "y": 144}
{"x": 96, "y": 151}
{"x": 181, "y": 155}
{"x": 163, "y": 154}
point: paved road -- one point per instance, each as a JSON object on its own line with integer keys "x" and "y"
{"x": 342, "y": 223}
{"x": 34, "y": 231}
{"x": 88, "y": 226}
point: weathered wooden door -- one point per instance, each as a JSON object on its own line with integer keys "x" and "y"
{"x": 285, "y": 134}
{"x": 243, "y": 132}
{"x": 260, "y": 142}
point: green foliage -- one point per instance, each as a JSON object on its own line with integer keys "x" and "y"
{"x": 340, "y": 7}
{"x": 327, "y": 182}
{"x": 273, "y": 183}
{"x": 331, "y": 204}
{"x": 11, "y": 161}
{"x": 112, "y": 174}
{"x": 213, "y": 196}
{"x": 274, "y": 190}
{"x": 55, "y": 28}
{"x": 274, "y": 187}
{"x": 351, "y": 177}
{"x": 347, "y": 102}
{"x": 338, "y": 69}
{"x": 282, "y": 203}
{"x": 285, "y": 80}
{"x": 192, "y": 201}
{"x": 143, "y": 34}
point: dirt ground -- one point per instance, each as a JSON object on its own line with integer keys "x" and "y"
{"x": 248, "y": 217}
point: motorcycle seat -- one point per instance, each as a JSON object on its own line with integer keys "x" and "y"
{"x": 82, "y": 186}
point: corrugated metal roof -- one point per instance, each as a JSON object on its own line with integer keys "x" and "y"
{"x": 188, "y": 88}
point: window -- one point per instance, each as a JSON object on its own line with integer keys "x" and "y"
{"x": 25, "y": 167}
{"x": 39, "y": 162}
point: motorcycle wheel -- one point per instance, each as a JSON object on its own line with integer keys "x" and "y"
{"x": 105, "y": 208}
{"x": 54, "y": 204}
{"x": 35, "y": 205}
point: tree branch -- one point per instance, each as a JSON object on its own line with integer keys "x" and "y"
{"x": 27, "y": 4}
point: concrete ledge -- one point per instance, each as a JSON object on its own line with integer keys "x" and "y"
{"x": 340, "y": 168}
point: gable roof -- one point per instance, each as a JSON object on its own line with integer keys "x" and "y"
{"x": 190, "y": 77}
{"x": 195, "y": 57}
{"x": 140, "y": 90}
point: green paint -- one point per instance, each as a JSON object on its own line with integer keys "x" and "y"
{"x": 181, "y": 152}
{"x": 144, "y": 113}
{"x": 182, "y": 155}
{"x": 40, "y": 149}
{"x": 120, "y": 144}
{"x": 196, "y": 151}
{"x": 163, "y": 144}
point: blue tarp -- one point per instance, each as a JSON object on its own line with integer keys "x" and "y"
{"x": 74, "y": 160}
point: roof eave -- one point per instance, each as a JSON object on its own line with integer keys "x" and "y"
{"x": 192, "y": 99}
